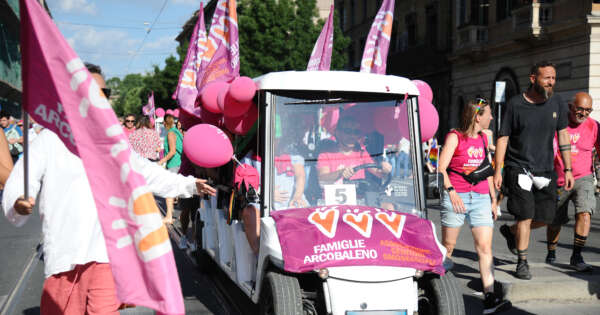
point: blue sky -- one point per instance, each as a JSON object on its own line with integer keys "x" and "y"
{"x": 111, "y": 33}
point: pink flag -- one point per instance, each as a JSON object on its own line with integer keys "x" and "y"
{"x": 61, "y": 94}
{"x": 374, "y": 57}
{"x": 320, "y": 58}
{"x": 186, "y": 91}
{"x": 222, "y": 58}
{"x": 148, "y": 109}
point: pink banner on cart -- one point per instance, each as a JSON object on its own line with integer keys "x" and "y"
{"x": 186, "y": 91}
{"x": 61, "y": 94}
{"x": 333, "y": 236}
{"x": 221, "y": 61}
{"x": 320, "y": 58}
{"x": 374, "y": 59}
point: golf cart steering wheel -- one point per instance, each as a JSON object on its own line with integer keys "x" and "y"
{"x": 369, "y": 182}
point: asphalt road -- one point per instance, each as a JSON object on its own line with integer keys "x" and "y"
{"x": 213, "y": 293}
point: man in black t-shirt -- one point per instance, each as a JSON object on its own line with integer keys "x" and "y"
{"x": 526, "y": 138}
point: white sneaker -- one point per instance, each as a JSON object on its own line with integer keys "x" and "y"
{"x": 183, "y": 242}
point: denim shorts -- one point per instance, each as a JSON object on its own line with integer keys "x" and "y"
{"x": 478, "y": 210}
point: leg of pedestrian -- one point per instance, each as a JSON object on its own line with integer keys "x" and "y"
{"x": 522, "y": 237}
{"x": 582, "y": 228}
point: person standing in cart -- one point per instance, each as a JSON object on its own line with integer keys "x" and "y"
{"x": 469, "y": 193}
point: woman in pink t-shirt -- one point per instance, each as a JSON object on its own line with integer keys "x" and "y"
{"x": 338, "y": 165}
{"x": 464, "y": 150}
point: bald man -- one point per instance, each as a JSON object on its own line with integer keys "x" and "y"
{"x": 583, "y": 133}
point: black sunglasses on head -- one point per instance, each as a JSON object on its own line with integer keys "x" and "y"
{"x": 106, "y": 92}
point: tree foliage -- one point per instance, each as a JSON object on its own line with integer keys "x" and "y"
{"x": 275, "y": 35}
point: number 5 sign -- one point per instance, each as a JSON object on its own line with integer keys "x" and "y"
{"x": 340, "y": 195}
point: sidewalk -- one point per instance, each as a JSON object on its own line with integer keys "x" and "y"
{"x": 550, "y": 282}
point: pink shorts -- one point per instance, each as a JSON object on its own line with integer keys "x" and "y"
{"x": 88, "y": 289}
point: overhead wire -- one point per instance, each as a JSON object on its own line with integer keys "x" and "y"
{"x": 146, "y": 36}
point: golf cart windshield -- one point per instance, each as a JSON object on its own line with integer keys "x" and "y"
{"x": 351, "y": 151}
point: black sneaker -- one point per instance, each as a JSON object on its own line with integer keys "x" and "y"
{"x": 510, "y": 238}
{"x": 550, "y": 258}
{"x": 493, "y": 304}
{"x": 578, "y": 264}
{"x": 523, "y": 270}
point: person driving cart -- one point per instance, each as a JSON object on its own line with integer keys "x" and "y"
{"x": 334, "y": 167}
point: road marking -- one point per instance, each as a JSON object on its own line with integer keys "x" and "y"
{"x": 15, "y": 295}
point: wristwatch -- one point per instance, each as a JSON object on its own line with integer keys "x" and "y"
{"x": 449, "y": 189}
{"x": 568, "y": 170}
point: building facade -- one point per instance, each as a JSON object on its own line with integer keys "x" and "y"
{"x": 10, "y": 56}
{"x": 463, "y": 47}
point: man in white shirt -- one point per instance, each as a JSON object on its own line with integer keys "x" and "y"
{"x": 78, "y": 276}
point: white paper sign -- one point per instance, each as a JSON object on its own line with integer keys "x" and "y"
{"x": 340, "y": 194}
{"x": 500, "y": 89}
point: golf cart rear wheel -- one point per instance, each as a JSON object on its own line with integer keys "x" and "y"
{"x": 280, "y": 295}
{"x": 440, "y": 295}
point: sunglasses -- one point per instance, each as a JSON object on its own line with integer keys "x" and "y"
{"x": 583, "y": 110}
{"x": 131, "y": 121}
{"x": 480, "y": 101}
{"x": 106, "y": 92}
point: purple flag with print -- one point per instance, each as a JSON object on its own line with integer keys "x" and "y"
{"x": 148, "y": 109}
{"x": 374, "y": 57}
{"x": 186, "y": 91}
{"x": 332, "y": 236}
{"x": 320, "y": 58}
{"x": 61, "y": 94}
{"x": 222, "y": 58}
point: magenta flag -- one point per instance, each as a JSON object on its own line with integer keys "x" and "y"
{"x": 374, "y": 57}
{"x": 148, "y": 109}
{"x": 186, "y": 91}
{"x": 60, "y": 93}
{"x": 333, "y": 236}
{"x": 320, "y": 58}
{"x": 222, "y": 58}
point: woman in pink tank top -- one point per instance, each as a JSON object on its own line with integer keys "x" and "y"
{"x": 465, "y": 149}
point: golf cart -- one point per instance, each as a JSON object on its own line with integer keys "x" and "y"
{"x": 357, "y": 243}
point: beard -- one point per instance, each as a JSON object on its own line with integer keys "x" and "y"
{"x": 542, "y": 91}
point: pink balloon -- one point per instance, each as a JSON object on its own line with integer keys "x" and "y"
{"x": 210, "y": 118}
{"x": 160, "y": 112}
{"x": 210, "y": 93}
{"x": 234, "y": 108}
{"x": 207, "y": 146}
{"x": 242, "y": 124}
{"x": 176, "y": 112}
{"x": 428, "y": 119}
{"x": 221, "y": 100}
{"x": 242, "y": 89}
{"x": 169, "y": 111}
{"x": 425, "y": 91}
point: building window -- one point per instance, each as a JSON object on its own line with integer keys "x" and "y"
{"x": 461, "y": 13}
{"x": 504, "y": 8}
{"x": 432, "y": 26}
{"x": 479, "y": 12}
{"x": 410, "y": 20}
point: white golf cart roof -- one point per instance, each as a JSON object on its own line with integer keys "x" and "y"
{"x": 342, "y": 81}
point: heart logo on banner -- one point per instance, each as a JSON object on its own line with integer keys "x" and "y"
{"x": 362, "y": 222}
{"x": 325, "y": 221}
{"x": 393, "y": 222}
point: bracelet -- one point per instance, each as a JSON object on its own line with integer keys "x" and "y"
{"x": 449, "y": 189}
{"x": 568, "y": 170}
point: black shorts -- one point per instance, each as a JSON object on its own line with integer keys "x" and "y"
{"x": 536, "y": 204}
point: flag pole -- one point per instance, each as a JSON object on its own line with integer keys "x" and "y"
{"x": 25, "y": 153}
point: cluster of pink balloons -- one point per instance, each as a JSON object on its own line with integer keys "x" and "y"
{"x": 160, "y": 112}
{"x": 227, "y": 105}
{"x": 232, "y": 102}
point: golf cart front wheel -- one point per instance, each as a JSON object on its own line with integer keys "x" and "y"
{"x": 440, "y": 295}
{"x": 280, "y": 295}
